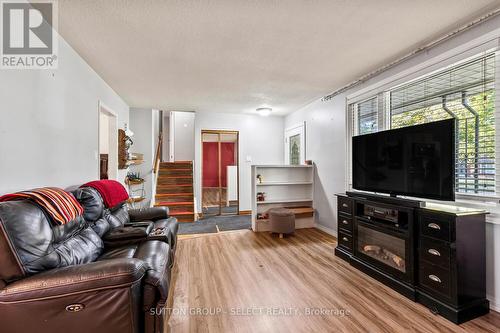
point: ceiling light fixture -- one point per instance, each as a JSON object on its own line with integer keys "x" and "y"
{"x": 264, "y": 111}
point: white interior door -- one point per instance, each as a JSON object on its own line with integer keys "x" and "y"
{"x": 295, "y": 144}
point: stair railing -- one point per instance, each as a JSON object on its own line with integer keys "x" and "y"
{"x": 157, "y": 159}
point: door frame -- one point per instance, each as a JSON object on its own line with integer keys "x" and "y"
{"x": 113, "y": 140}
{"x": 219, "y": 132}
{"x": 292, "y": 131}
{"x": 171, "y": 136}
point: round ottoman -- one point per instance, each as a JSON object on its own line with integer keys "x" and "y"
{"x": 281, "y": 221}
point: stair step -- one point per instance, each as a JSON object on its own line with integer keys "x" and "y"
{"x": 174, "y": 197}
{"x": 185, "y": 219}
{"x": 176, "y": 177}
{"x": 181, "y": 190}
{"x": 175, "y": 210}
{"x": 176, "y": 165}
{"x": 174, "y": 181}
{"x": 176, "y": 172}
{"x": 175, "y": 189}
{"x": 175, "y": 203}
{"x": 181, "y": 216}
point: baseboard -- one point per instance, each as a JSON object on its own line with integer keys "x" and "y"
{"x": 494, "y": 304}
{"x": 329, "y": 231}
{"x": 245, "y": 212}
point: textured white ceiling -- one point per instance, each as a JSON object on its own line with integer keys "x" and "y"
{"x": 238, "y": 55}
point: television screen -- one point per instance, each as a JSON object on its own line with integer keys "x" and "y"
{"x": 416, "y": 161}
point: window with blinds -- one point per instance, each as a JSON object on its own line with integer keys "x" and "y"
{"x": 465, "y": 92}
{"x": 367, "y": 116}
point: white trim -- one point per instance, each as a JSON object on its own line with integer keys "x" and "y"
{"x": 171, "y": 137}
{"x": 107, "y": 108}
{"x": 112, "y": 155}
{"x": 348, "y": 153}
{"x": 328, "y": 230}
{"x": 494, "y": 304}
{"x": 497, "y": 119}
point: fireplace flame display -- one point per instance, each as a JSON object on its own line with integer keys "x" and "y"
{"x": 385, "y": 256}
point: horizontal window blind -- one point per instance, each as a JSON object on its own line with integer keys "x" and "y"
{"x": 465, "y": 92}
{"x": 367, "y": 116}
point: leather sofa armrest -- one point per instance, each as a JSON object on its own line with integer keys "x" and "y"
{"x": 107, "y": 274}
{"x": 145, "y": 214}
{"x": 125, "y": 233}
{"x": 140, "y": 224}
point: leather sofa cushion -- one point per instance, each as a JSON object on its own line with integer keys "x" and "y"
{"x": 101, "y": 226}
{"x": 126, "y": 251}
{"x": 150, "y": 213}
{"x": 75, "y": 279}
{"x": 120, "y": 214}
{"x": 157, "y": 256}
{"x": 37, "y": 245}
{"x": 91, "y": 202}
{"x": 124, "y": 235}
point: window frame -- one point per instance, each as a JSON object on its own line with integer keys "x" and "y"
{"x": 383, "y": 95}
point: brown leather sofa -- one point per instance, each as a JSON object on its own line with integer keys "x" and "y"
{"x": 119, "y": 225}
{"x": 65, "y": 279}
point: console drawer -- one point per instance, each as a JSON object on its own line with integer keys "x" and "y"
{"x": 435, "y": 252}
{"x": 436, "y": 226}
{"x": 345, "y": 241}
{"x": 435, "y": 279}
{"x": 344, "y": 223}
{"x": 345, "y": 205}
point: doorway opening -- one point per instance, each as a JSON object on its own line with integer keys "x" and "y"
{"x": 220, "y": 172}
{"x": 108, "y": 143}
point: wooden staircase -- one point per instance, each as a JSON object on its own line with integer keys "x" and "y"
{"x": 174, "y": 189}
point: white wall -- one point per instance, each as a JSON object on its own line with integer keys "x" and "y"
{"x": 49, "y": 124}
{"x": 325, "y": 142}
{"x": 326, "y": 135}
{"x": 183, "y": 135}
{"x": 144, "y": 124}
{"x": 260, "y": 138}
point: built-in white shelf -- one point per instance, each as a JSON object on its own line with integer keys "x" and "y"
{"x": 283, "y": 183}
{"x": 290, "y": 186}
{"x": 267, "y": 202}
{"x": 273, "y": 166}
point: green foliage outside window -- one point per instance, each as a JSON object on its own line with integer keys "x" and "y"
{"x": 484, "y": 104}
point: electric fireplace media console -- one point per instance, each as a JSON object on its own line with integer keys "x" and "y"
{"x": 434, "y": 255}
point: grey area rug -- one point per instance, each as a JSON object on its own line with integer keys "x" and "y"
{"x": 209, "y": 225}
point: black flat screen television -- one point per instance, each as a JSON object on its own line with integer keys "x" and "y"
{"x": 417, "y": 161}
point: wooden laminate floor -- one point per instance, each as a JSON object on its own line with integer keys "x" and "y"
{"x": 253, "y": 282}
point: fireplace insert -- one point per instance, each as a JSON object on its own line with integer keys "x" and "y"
{"x": 383, "y": 241}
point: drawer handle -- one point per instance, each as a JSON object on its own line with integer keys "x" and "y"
{"x": 345, "y": 205}
{"x": 345, "y": 239}
{"x": 435, "y": 278}
{"x": 434, "y": 226}
{"x": 434, "y": 252}
{"x": 345, "y": 222}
